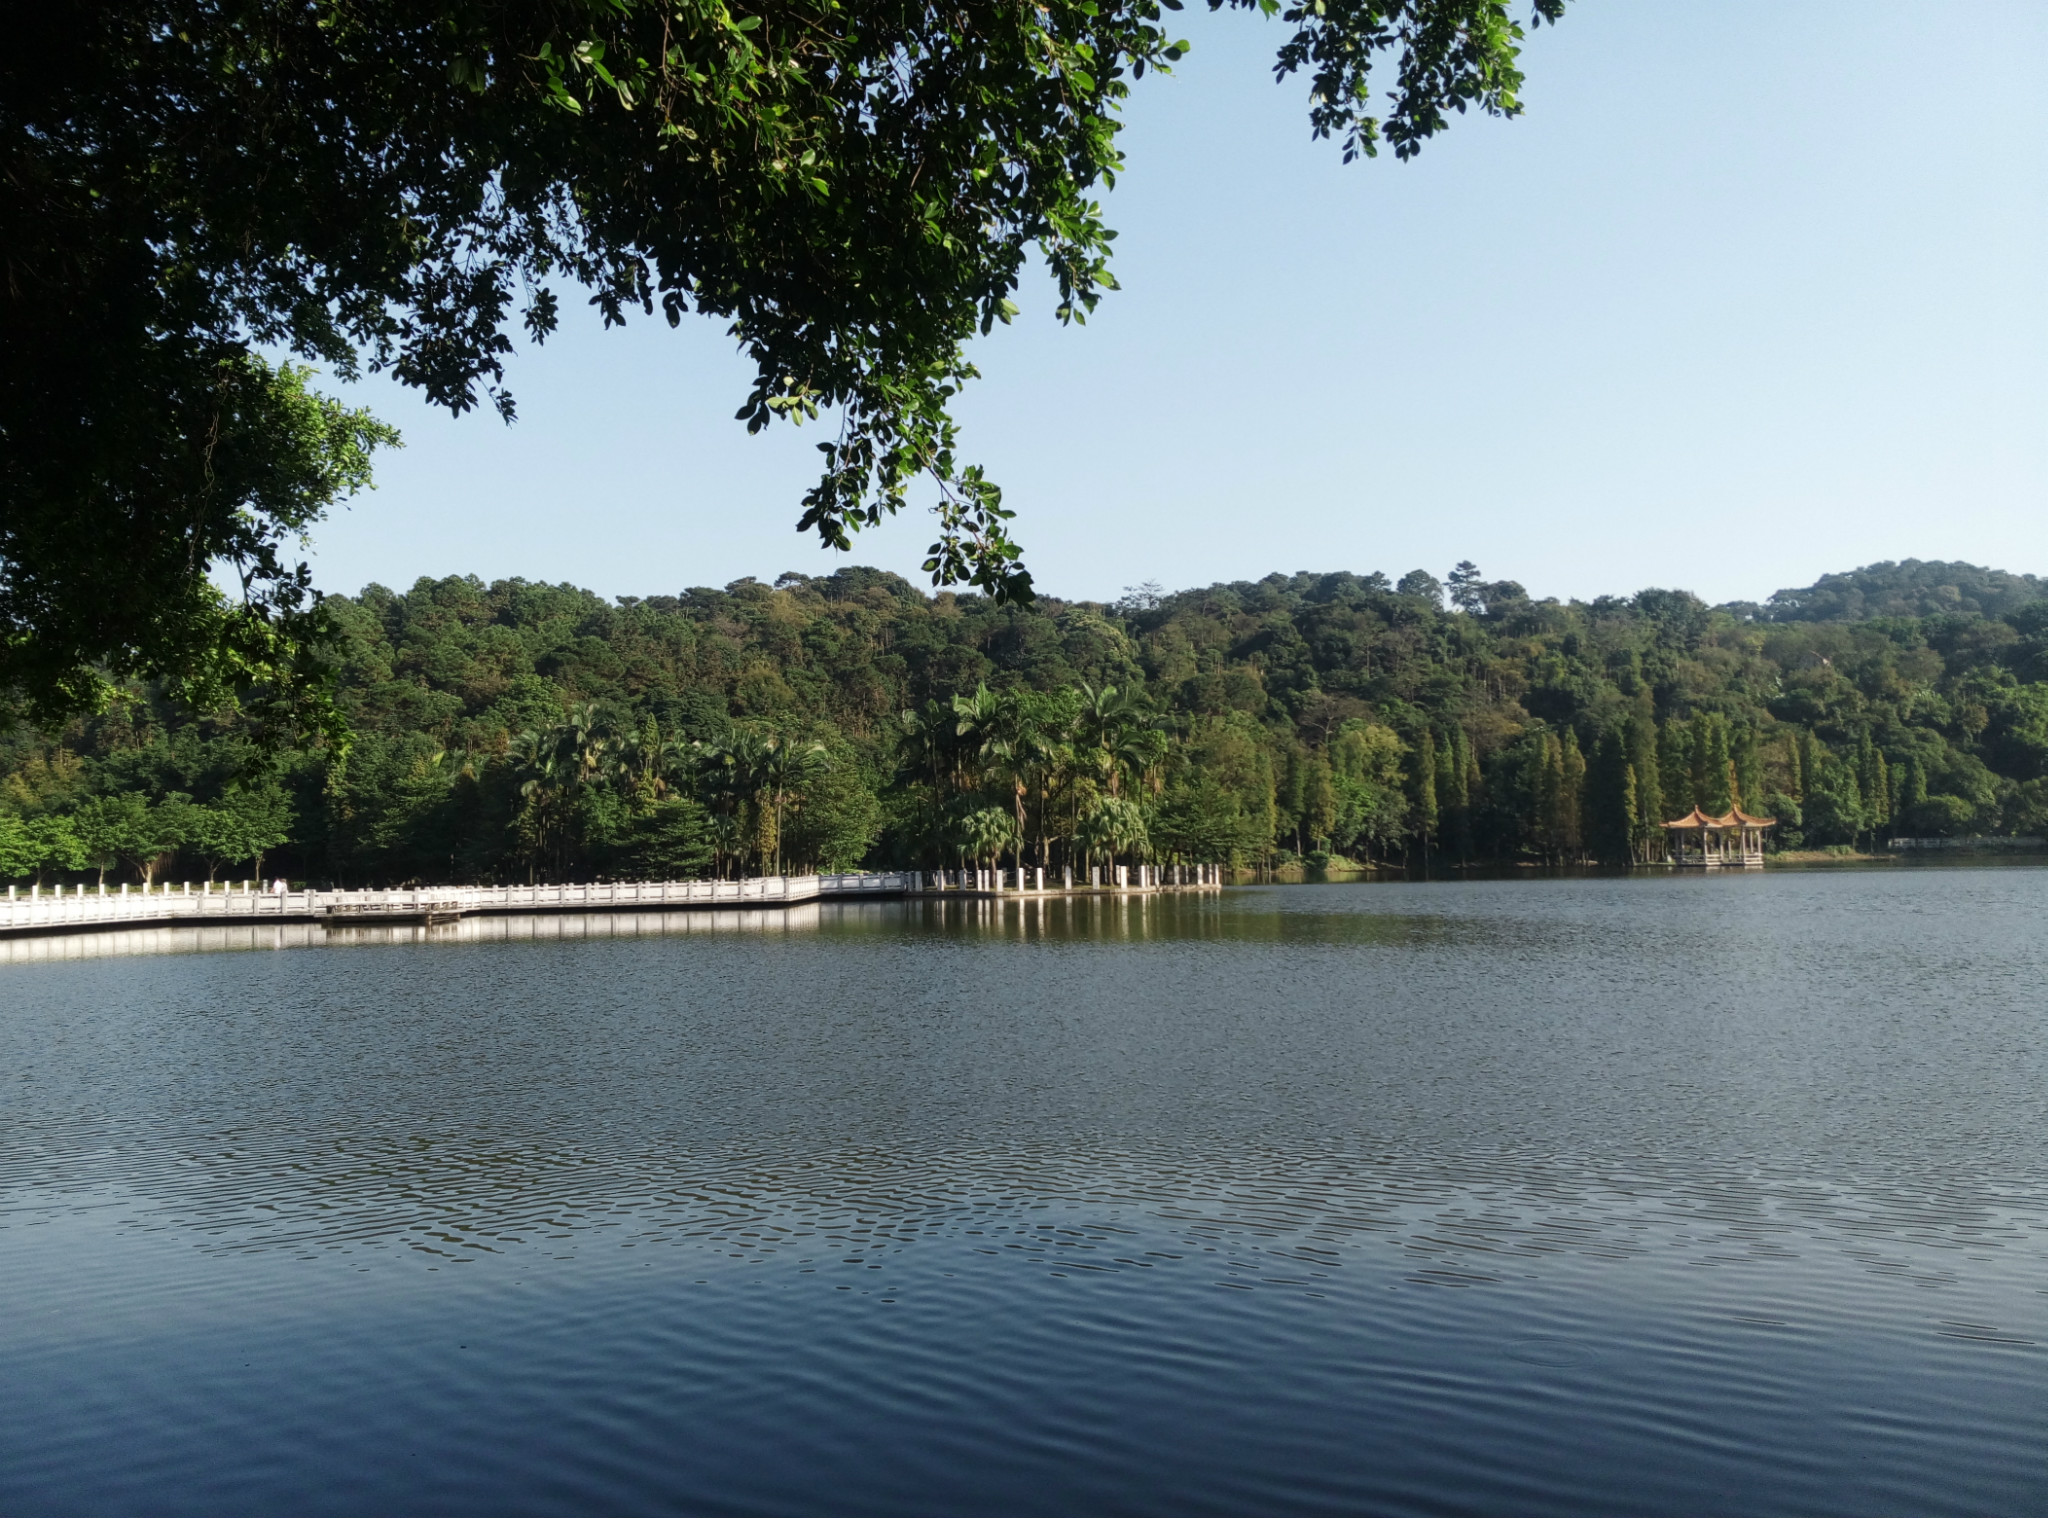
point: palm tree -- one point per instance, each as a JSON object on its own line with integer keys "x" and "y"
{"x": 729, "y": 774}
{"x": 747, "y": 770}
{"x": 544, "y": 781}
{"x": 1000, "y": 725}
{"x": 932, "y": 732}
{"x": 1112, "y": 827}
{"x": 588, "y": 740}
{"x": 986, "y": 833}
{"x": 785, "y": 766}
{"x": 1111, "y": 719}
{"x": 1140, "y": 752}
{"x": 1047, "y": 757}
{"x": 649, "y": 764}
{"x": 982, "y": 718}
{"x": 727, "y": 839}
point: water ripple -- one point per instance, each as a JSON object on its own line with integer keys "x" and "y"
{"x": 1298, "y": 1201}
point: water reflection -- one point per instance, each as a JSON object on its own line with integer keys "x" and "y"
{"x": 1579, "y": 1196}
{"x": 1104, "y": 919}
{"x": 526, "y": 928}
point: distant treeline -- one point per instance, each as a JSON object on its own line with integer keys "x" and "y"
{"x": 515, "y": 730}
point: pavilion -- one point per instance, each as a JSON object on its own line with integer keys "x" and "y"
{"x": 1700, "y": 842}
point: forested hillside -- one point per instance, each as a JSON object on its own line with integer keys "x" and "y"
{"x": 517, "y": 730}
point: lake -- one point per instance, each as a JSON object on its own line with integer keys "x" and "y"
{"x": 1712, "y": 1194}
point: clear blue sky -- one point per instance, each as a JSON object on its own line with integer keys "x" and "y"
{"x": 1753, "y": 291}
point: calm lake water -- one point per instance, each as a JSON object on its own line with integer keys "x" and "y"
{"x": 1576, "y": 1196}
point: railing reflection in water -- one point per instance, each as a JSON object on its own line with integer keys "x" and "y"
{"x": 1094, "y": 918}
{"x": 245, "y": 936}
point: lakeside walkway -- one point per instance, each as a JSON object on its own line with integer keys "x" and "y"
{"x": 79, "y": 909}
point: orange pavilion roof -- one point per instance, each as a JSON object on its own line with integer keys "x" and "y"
{"x": 1736, "y": 818}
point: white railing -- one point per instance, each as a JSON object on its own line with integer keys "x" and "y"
{"x": 55, "y": 909}
{"x": 1968, "y": 845}
{"x": 58, "y": 908}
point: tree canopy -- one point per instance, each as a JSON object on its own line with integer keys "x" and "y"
{"x": 854, "y": 186}
{"x": 513, "y": 731}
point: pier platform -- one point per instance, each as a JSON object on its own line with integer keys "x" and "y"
{"x": 74, "y": 909}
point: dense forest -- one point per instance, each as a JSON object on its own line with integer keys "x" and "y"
{"x": 519, "y": 731}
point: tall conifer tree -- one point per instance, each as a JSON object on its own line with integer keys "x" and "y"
{"x": 1458, "y": 791}
{"x": 1422, "y": 785}
{"x": 1650, "y": 800}
{"x": 1475, "y": 791}
{"x": 1628, "y": 809}
{"x": 1807, "y": 752}
{"x": 1711, "y": 769}
{"x": 1749, "y": 769}
{"x": 1608, "y": 813}
{"x": 1549, "y": 818}
{"x": 1571, "y": 798}
{"x": 1674, "y": 768}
